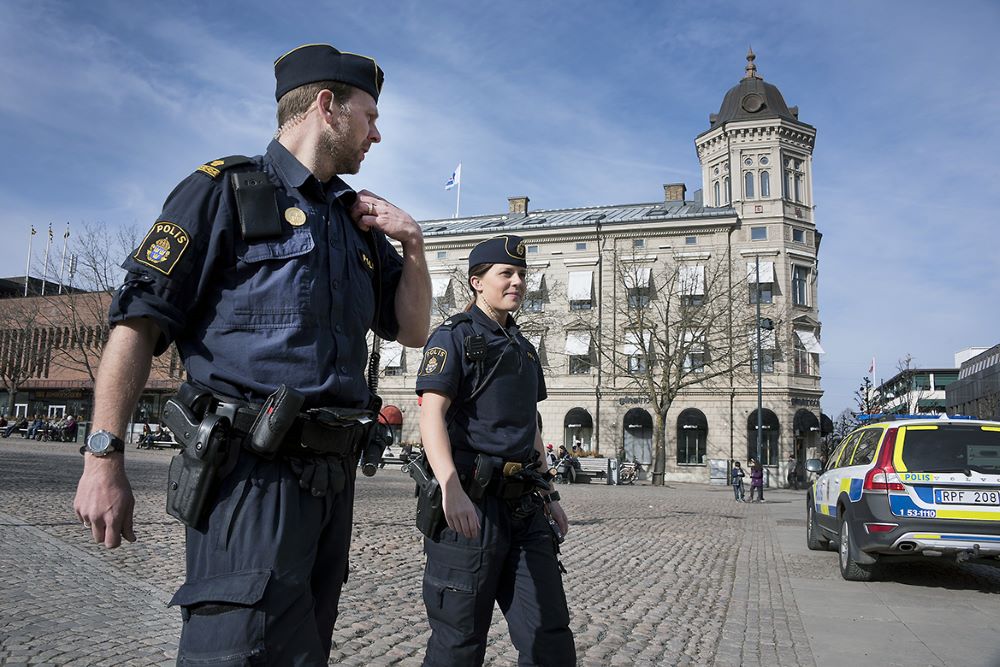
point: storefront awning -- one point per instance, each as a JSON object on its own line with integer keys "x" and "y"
{"x": 636, "y": 344}
{"x": 391, "y": 415}
{"x": 805, "y": 422}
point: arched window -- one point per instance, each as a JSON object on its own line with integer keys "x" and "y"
{"x": 729, "y": 191}
{"x": 748, "y": 185}
{"x": 692, "y": 437}
{"x": 637, "y": 436}
{"x": 578, "y": 428}
{"x": 718, "y": 202}
{"x": 768, "y": 437}
{"x": 765, "y": 184}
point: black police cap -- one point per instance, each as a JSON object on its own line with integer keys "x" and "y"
{"x": 506, "y": 249}
{"x": 321, "y": 62}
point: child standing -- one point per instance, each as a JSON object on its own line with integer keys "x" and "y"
{"x": 737, "y": 481}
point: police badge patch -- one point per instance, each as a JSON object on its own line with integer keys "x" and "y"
{"x": 434, "y": 361}
{"x": 163, "y": 247}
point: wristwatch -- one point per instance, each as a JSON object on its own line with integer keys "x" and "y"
{"x": 102, "y": 443}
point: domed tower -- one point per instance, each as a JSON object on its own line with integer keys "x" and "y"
{"x": 757, "y": 154}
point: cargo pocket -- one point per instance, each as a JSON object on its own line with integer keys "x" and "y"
{"x": 451, "y": 583}
{"x": 223, "y": 619}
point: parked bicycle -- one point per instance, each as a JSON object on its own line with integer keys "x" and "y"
{"x": 628, "y": 472}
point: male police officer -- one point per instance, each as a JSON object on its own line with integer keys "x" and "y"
{"x": 265, "y": 271}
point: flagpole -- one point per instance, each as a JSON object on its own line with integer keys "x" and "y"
{"x": 27, "y": 265}
{"x": 458, "y": 196}
{"x": 45, "y": 273}
{"x": 62, "y": 262}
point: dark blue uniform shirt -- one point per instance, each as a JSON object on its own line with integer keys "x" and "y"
{"x": 501, "y": 419}
{"x": 249, "y": 315}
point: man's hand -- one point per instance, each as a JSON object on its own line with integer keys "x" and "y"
{"x": 104, "y": 500}
{"x": 370, "y": 210}
{"x": 555, "y": 510}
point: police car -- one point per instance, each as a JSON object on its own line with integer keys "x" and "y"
{"x": 922, "y": 486}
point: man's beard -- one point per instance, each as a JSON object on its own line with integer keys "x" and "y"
{"x": 334, "y": 148}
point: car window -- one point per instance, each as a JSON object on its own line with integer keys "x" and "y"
{"x": 950, "y": 447}
{"x": 848, "y": 444}
{"x": 864, "y": 453}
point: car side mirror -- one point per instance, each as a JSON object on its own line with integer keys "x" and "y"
{"x": 814, "y": 465}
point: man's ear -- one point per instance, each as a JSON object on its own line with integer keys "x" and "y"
{"x": 326, "y": 102}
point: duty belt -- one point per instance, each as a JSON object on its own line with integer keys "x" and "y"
{"x": 316, "y": 432}
{"x": 498, "y": 482}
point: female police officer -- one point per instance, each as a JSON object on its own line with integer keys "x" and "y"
{"x": 480, "y": 380}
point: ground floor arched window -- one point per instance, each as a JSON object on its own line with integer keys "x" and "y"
{"x": 637, "y": 436}
{"x": 771, "y": 429}
{"x": 578, "y": 429}
{"x": 692, "y": 437}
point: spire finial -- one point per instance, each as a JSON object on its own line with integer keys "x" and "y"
{"x": 751, "y": 68}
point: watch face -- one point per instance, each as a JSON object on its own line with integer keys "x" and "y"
{"x": 99, "y": 443}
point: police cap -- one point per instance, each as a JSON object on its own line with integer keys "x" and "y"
{"x": 506, "y": 249}
{"x": 310, "y": 63}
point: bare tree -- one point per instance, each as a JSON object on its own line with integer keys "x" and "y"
{"x": 903, "y": 396}
{"x": 22, "y": 350}
{"x": 867, "y": 399}
{"x": 677, "y": 327}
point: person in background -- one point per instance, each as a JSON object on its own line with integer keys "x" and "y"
{"x": 737, "y": 481}
{"x": 756, "y": 480}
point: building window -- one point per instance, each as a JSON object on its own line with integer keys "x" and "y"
{"x": 534, "y": 297}
{"x": 579, "y": 365}
{"x": 715, "y": 189}
{"x": 532, "y": 249}
{"x": 793, "y": 179}
{"x": 580, "y": 305}
{"x": 581, "y": 246}
{"x": 758, "y": 233}
{"x": 638, "y": 243}
{"x": 766, "y": 362}
{"x": 799, "y": 235}
{"x": 695, "y": 355}
{"x": 801, "y": 358}
{"x": 765, "y": 184}
{"x": 580, "y": 290}
{"x": 800, "y": 285}
{"x": 690, "y": 240}
{"x": 578, "y": 349}
{"x": 442, "y": 254}
{"x": 748, "y": 185}
{"x": 637, "y": 364}
{"x": 764, "y": 289}
{"x": 692, "y": 437}
{"x": 729, "y": 190}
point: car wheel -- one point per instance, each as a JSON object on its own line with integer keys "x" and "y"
{"x": 850, "y": 569}
{"x": 814, "y": 534}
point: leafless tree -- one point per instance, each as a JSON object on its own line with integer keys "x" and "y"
{"x": 678, "y": 326}
{"x": 22, "y": 350}
{"x": 903, "y": 396}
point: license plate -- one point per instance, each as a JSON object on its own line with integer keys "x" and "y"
{"x": 966, "y": 497}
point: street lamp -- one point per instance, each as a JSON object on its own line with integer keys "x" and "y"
{"x": 761, "y": 324}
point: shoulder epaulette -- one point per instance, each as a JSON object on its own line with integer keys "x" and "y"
{"x": 215, "y": 168}
{"x": 455, "y": 320}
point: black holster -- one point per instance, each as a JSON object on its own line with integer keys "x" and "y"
{"x": 194, "y": 471}
{"x": 430, "y": 508}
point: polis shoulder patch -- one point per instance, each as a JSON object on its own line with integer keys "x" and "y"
{"x": 163, "y": 246}
{"x": 216, "y": 167}
{"x": 434, "y": 361}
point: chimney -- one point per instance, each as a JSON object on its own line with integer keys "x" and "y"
{"x": 674, "y": 191}
{"x": 518, "y": 205}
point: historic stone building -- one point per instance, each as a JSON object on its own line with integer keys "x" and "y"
{"x": 611, "y": 286}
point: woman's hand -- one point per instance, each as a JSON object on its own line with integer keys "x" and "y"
{"x": 460, "y": 512}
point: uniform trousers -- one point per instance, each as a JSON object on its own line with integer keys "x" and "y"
{"x": 513, "y": 564}
{"x": 266, "y": 566}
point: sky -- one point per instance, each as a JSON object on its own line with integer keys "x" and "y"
{"x": 107, "y": 105}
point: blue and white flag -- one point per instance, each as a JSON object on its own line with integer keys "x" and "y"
{"x": 455, "y": 179}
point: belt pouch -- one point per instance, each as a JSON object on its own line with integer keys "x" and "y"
{"x": 274, "y": 419}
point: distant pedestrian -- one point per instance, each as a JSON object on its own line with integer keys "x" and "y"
{"x": 793, "y": 472}
{"x": 737, "y": 481}
{"x": 756, "y": 479}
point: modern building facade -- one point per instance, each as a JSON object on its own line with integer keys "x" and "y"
{"x": 916, "y": 391}
{"x": 613, "y": 290}
{"x": 976, "y": 391}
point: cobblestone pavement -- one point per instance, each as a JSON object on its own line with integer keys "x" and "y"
{"x": 680, "y": 575}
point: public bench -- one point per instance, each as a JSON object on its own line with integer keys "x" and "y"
{"x": 592, "y": 467}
